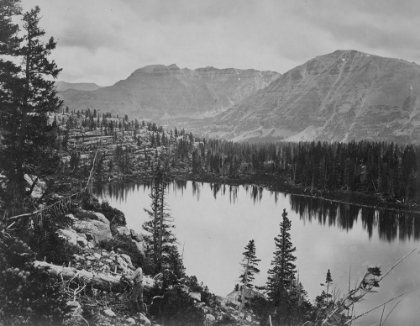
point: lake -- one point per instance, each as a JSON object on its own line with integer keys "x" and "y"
{"x": 215, "y": 222}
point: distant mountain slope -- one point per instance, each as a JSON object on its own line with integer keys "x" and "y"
{"x": 168, "y": 93}
{"x": 340, "y": 96}
{"x": 62, "y": 86}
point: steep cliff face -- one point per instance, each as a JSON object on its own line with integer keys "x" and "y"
{"x": 341, "y": 96}
{"x": 168, "y": 93}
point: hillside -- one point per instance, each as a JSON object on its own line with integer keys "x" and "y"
{"x": 342, "y": 96}
{"x": 170, "y": 94}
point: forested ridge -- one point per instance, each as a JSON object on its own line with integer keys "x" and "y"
{"x": 387, "y": 170}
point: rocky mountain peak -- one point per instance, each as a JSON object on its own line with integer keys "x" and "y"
{"x": 342, "y": 96}
{"x": 156, "y": 69}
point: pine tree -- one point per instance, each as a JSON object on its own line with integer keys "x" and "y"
{"x": 328, "y": 282}
{"x": 26, "y": 99}
{"x": 249, "y": 264}
{"x": 282, "y": 275}
{"x": 160, "y": 239}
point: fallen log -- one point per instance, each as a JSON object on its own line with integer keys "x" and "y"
{"x": 100, "y": 281}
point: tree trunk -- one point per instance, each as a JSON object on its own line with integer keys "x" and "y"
{"x": 162, "y": 193}
{"x": 100, "y": 281}
{"x": 244, "y": 286}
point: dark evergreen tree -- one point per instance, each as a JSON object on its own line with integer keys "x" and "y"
{"x": 26, "y": 99}
{"x": 160, "y": 239}
{"x": 328, "y": 281}
{"x": 282, "y": 275}
{"x": 249, "y": 264}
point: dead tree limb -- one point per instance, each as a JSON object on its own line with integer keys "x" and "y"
{"x": 100, "y": 281}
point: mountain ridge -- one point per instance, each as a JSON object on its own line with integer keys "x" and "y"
{"x": 340, "y": 96}
{"x": 163, "y": 93}
{"x": 63, "y": 86}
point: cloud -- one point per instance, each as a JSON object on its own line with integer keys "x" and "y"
{"x": 381, "y": 27}
{"x": 109, "y": 39}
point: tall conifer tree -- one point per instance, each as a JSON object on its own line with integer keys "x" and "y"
{"x": 249, "y": 264}
{"x": 282, "y": 275}
{"x": 160, "y": 239}
{"x": 26, "y": 99}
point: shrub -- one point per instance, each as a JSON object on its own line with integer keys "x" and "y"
{"x": 27, "y": 296}
{"x": 178, "y": 309}
{"x": 53, "y": 248}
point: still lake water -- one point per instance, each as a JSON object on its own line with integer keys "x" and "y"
{"x": 214, "y": 223}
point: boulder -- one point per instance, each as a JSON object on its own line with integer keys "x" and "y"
{"x": 78, "y": 257}
{"x": 209, "y": 320}
{"x": 101, "y": 217}
{"x": 82, "y": 242}
{"x": 127, "y": 259}
{"x": 139, "y": 246}
{"x": 109, "y": 313}
{"x": 90, "y": 237}
{"x": 136, "y": 236}
{"x": 122, "y": 263}
{"x": 144, "y": 320}
{"x": 85, "y": 215}
{"x": 99, "y": 230}
{"x": 122, "y": 230}
{"x": 131, "y": 321}
{"x": 69, "y": 235}
{"x": 71, "y": 217}
{"x": 195, "y": 295}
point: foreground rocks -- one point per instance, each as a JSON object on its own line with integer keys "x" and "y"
{"x": 101, "y": 270}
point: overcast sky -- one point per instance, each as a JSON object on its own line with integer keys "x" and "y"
{"x": 104, "y": 41}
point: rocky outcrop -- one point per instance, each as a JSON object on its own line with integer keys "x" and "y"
{"x": 136, "y": 236}
{"x": 101, "y": 217}
{"x": 98, "y": 230}
{"x": 122, "y": 231}
{"x": 233, "y": 298}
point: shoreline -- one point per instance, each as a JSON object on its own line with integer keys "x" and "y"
{"x": 280, "y": 184}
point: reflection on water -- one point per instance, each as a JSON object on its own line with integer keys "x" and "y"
{"x": 390, "y": 225}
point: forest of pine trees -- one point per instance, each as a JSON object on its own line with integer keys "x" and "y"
{"x": 375, "y": 168}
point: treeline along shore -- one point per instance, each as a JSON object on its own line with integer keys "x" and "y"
{"x": 367, "y": 173}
